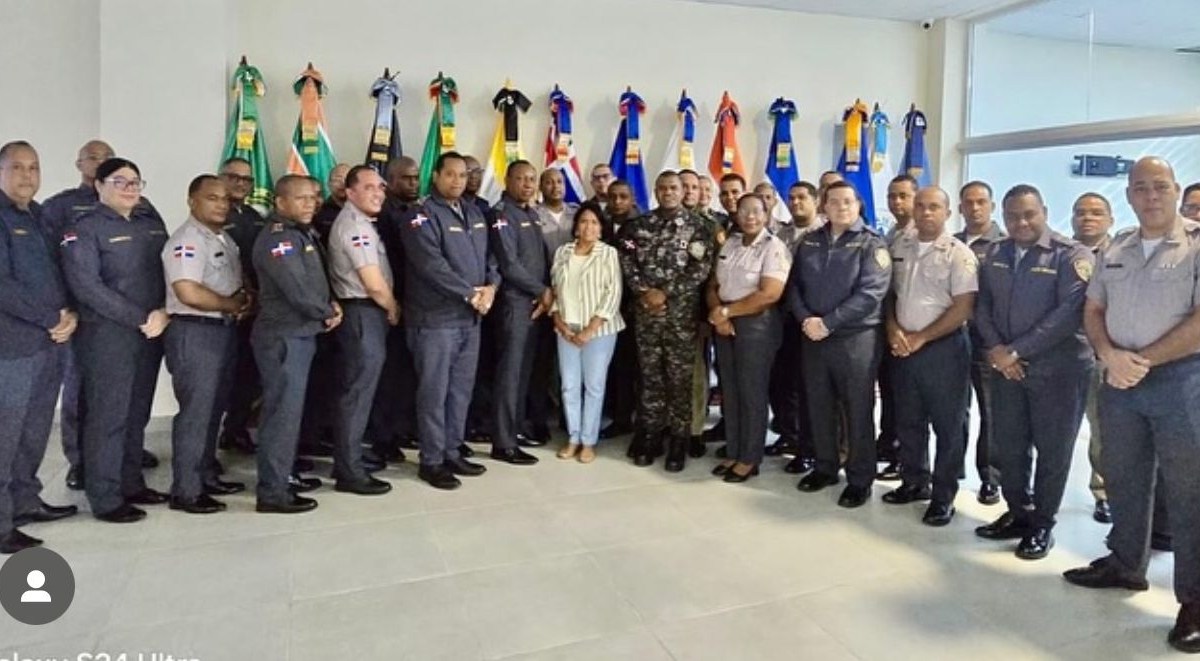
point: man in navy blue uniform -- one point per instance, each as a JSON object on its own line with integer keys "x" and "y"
{"x": 450, "y": 283}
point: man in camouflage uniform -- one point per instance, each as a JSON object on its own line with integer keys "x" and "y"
{"x": 666, "y": 255}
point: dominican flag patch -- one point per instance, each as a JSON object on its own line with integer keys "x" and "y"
{"x": 418, "y": 221}
{"x": 500, "y": 223}
{"x": 185, "y": 252}
{"x": 360, "y": 241}
{"x": 282, "y": 249}
{"x": 68, "y": 239}
{"x": 630, "y": 245}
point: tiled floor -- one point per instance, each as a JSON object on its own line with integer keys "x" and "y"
{"x": 567, "y": 561}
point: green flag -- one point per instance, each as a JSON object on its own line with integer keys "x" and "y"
{"x": 244, "y": 139}
{"x": 312, "y": 154}
{"x": 440, "y": 139}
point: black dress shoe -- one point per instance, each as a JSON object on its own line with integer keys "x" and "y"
{"x": 854, "y": 496}
{"x": 539, "y": 434}
{"x": 1008, "y": 526}
{"x": 1185, "y": 636}
{"x": 721, "y": 469}
{"x": 147, "y": 496}
{"x": 676, "y": 453}
{"x": 149, "y": 460}
{"x": 1160, "y": 541}
{"x": 615, "y": 429}
{"x": 216, "y": 487}
{"x": 465, "y": 451}
{"x": 799, "y": 465}
{"x": 409, "y": 443}
{"x": 239, "y": 442}
{"x": 815, "y": 481}
{"x": 721, "y": 452}
{"x": 1102, "y": 513}
{"x": 372, "y": 462}
{"x": 463, "y": 467}
{"x": 16, "y": 541}
{"x": 1036, "y": 544}
{"x": 477, "y": 436}
{"x": 126, "y": 513}
{"x": 907, "y": 493}
{"x": 303, "y": 465}
{"x": 300, "y": 484}
{"x": 514, "y": 456}
{"x": 293, "y": 505}
{"x": 938, "y": 514}
{"x": 530, "y": 441}
{"x": 1104, "y": 573}
{"x": 643, "y": 459}
{"x": 75, "y": 478}
{"x": 368, "y": 487}
{"x": 733, "y": 477}
{"x": 43, "y": 513}
{"x": 202, "y": 504}
{"x": 696, "y": 447}
{"x": 989, "y": 494}
{"x": 889, "y": 473}
{"x": 438, "y": 477}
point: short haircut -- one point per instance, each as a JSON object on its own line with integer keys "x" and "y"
{"x": 586, "y": 207}
{"x": 752, "y": 196}
{"x": 519, "y": 163}
{"x": 355, "y": 172}
{"x": 620, "y": 183}
{"x": 1097, "y": 196}
{"x": 835, "y": 185}
{"x": 600, "y": 165}
{"x": 906, "y": 179}
{"x": 199, "y": 181}
{"x": 1192, "y": 188}
{"x": 1021, "y": 190}
{"x": 547, "y": 173}
{"x": 977, "y": 184}
{"x": 236, "y": 159}
{"x": 9, "y": 147}
{"x": 288, "y": 182}
{"x": 688, "y": 171}
{"x": 812, "y": 190}
{"x": 665, "y": 174}
{"x": 440, "y": 163}
{"x": 105, "y": 169}
{"x": 733, "y": 176}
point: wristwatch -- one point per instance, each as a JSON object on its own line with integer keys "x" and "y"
{"x": 725, "y": 311}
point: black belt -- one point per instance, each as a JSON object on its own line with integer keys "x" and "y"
{"x": 211, "y": 321}
{"x": 358, "y": 301}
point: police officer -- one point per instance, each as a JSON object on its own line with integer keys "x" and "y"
{"x": 1189, "y": 205}
{"x": 361, "y": 278}
{"x": 665, "y": 255}
{"x": 112, "y": 259}
{"x": 525, "y": 297}
{"x": 36, "y": 323}
{"x": 934, "y": 282}
{"x": 295, "y": 307}
{"x": 621, "y": 388}
{"x": 450, "y": 283}
{"x": 243, "y": 224}
{"x": 702, "y": 363}
{"x": 752, "y": 269}
{"x": 835, "y": 294}
{"x": 1029, "y": 315}
{"x": 979, "y": 232}
{"x": 1141, "y": 316}
{"x": 205, "y": 295}
{"x": 331, "y": 207}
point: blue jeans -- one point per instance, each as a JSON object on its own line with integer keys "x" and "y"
{"x": 584, "y": 372}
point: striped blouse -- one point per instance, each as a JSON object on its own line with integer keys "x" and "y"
{"x": 590, "y": 290}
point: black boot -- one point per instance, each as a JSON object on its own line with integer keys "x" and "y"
{"x": 676, "y": 453}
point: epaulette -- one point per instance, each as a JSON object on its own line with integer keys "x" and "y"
{"x": 276, "y": 228}
{"x": 1125, "y": 233}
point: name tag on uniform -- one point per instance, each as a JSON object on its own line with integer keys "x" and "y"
{"x": 854, "y": 244}
{"x": 20, "y": 232}
{"x": 478, "y": 226}
{"x": 813, "y": 244}
{"x": 310, "y": 248}
{"x": 1114, "y": 266}
{"x": 999, "y": 265}
{"x": 158, "y": 233}
{"x": 220, "y": 254}
{"x": 454, "y": 228}
{"x": 524, "y": 224}
{"x": 1043, "y": 269}
{"x": 120, "y": 239}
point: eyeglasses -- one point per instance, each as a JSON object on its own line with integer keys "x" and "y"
{"x": 121, "y": 183}
{"x": 238, "y": 178}
{"x": 1189, "y": 209}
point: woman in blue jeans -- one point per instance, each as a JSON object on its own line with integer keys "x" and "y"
{"x": 586, "y": 276}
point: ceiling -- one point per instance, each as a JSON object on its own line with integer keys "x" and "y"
{"x": 900, "y": 10}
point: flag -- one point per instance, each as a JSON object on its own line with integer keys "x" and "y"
{"x": 312, "y": 153}
{"x": 681, "y": 150}
{"x": 879, "y": 125}
{"x": 916, "y": 160}
{"x": 725, "y": 156}
{"x": 243, "y": 139}
{"x": 560, "y": 146}
{"x": 385, "y": 135}
{"x": 782, "y": 169}
{"x": 854, "y": 159}
{"x": 440, "y": 138}
{"x": 506, "y": 142}
{"x": 626, "y": 159}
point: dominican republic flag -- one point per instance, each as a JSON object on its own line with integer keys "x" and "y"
{"x": 854, "y": 164}
{"x": 68, "y": 239}
{"x": 560, "y": 146}
{"x": 916, "y": 159}
{"x": 360, "y": 241}
{"x": 626, "y": 159}
{"x": 185, "y": 252}
{"x": 282, "y": 249}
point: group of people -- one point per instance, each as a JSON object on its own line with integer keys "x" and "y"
{"x": 377, "y": 320}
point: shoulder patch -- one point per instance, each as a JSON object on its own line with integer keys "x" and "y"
{"x": 1084, "y": 269}
{"x": 68, "y": 239}
{"x": 276, "y": 228}
{"x": 883, "y": 258}
{"x": 418, "y": 220}
{"x": 500, "y": 223}
{"x": 282, "y": 249}
{"x": 184, "y": 252}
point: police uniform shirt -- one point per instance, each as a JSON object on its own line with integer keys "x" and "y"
{"x": 791, "y": 234}
{"x": 557, "y": 227}
{"x": 843, "y": 281}
{"x": 353, "y": 244}
{"x": 980, "y": 244}
{"x": 519, "y": 247}
{"x": 293, "y": 290}
{"x": 741, "y": 268}
{"x": 925, "y": 284}
{"x": 1144, "y": 298}
{"x": 61, "y": 210}
{"x": 196, "y": 253}
{"x": 243, "y": 224}
{"x": 114, "y": 265}
{"x": 323, "y": 221}
{"x": 32, "y": 291}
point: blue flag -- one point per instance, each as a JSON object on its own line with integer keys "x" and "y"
{"x": 855, "y": 155}
{"x": 626, "y": 159}
{"x": 782, "y": 169}
{"x": 916, "y": 160}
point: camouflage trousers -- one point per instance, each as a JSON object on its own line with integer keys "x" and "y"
{"x": 666, "y": 346}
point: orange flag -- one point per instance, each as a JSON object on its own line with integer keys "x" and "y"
{"x": 726, "y": 157}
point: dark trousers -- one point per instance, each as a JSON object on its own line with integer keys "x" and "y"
{"x": 70, "y": 423}
{"x": 543, "y": 379}
{"x": 200, "y": 357}
{"x": 623, "y": 384}
{"x": 393, "y": 413}
{"x": 932, "y": 387}
{"x": 247, "y": 386}
{"x": 481, "y": 412}
{"x": 284, "y": 363}
{"x": 362, "y": 338}
{"x": 838, "y": 375}
{"x": 1155, "y": 426}
{"x": 982, "y": 379}
{"x": 445, "y": 363}
{"x": 516, "y": 341}
{"x": 320, "y": 395}
{"x": 887, "y": 445}
{"x": 119, "y": 367}
{"x": 787, "y": 391}
{"x": 744, "y": 361}
{"x": 1041, "y": 412}
{"x": 28, "y": 392}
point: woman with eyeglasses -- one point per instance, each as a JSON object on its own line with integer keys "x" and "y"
{"x": 752, "y": 269}
{"x": 112, "y": 260}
